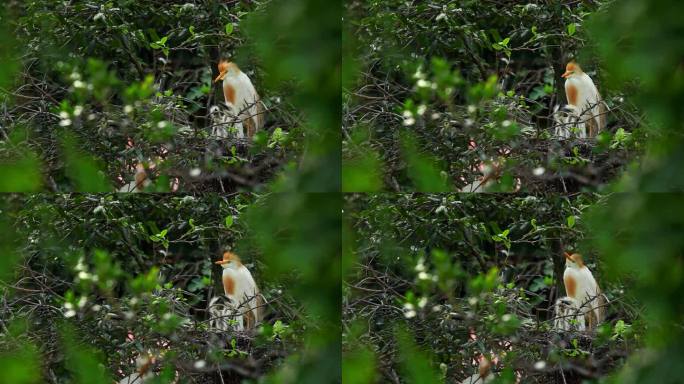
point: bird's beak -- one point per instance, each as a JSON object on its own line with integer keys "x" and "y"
{"x": 220, "y": 77}
{"x": 220, "y": 262}
{"x": 566, "y": 74}
{"x": 567, "y": 256}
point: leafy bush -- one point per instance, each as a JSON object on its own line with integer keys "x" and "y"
{"x": 91, "y": 90}
{"x": 471, "y": 85}
{"x": 94, "y": 281}
{"x": 453, "y": 276}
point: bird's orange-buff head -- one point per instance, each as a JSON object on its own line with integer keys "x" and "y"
{"x": 228, "y": 257}
{"x": 571, "y": 69}
{"x": 224, "y": 67}
{"x": 574, "y": 260}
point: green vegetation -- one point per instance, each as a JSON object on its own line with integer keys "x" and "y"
{"x": 433, "y": 281}
{"x": 88, "y": 91}
{"x": 475, "y": 84}
{"x": 91, "y": 282}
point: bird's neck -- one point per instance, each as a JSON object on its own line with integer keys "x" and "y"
{"x": 231, "y": 73}
{"x": 232, "y": 265}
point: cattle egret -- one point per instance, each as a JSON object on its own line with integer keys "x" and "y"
{"x": 582, "y": 93}
{"x": 241, "y": 98}
{"x": 581, "y": 286}
{"x": 239, "y": 286}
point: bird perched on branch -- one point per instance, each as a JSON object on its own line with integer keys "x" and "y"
{"x": 239, "y": 286}
{"x": 582, "y": 93}
{"x": 567, "y": 315}
{"x": 568, "y": 122}
{"x": 221, "y": 311}
{"x": 581, "y": 286}
{"x": 241, "y": 98}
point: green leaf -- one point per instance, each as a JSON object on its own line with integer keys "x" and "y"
{"x": 229, "y": 28}
{"x": 83, "y": 169}
{"x": 571, "y": 29}
{"x": 571, "y": 221}
{"x": 505, "y": 41}
{"x": 229, "y": 221}
{"x": 18, "y": 366}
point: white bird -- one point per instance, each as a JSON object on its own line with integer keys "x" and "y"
{"x": 568, "y": 122}
{"x": 567, "y": 316}
{"x": 582, "y": 93}
{"x": 581, "y": 286}
{"x": 221, "y": 311}
{"x": 239, "y": 286}
{"x": 242, "y": 98}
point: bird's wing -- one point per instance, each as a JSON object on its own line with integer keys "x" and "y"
{"x": 592, "y": 285}
{"x": 248, "y": 94}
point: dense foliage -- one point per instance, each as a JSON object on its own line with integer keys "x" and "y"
{"x": 473, "y": 274}
{"x": 447, "y": 90}
{"x": 91, "y": 282}
{"x": 91, "y": 89}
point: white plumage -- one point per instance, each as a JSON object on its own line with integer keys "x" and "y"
{"x": 581, "y": 286}
{"x": 567, "y": 315}
{"x": 568, "y": 122}
{"x": 221, "y": 312}
{"x": 242, "y": 99}
{"x": 583, "y": 94}
{"x": 240, "y": 287}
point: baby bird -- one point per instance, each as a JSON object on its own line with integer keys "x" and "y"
{"x": 221, "y": 312}
{"x": 567, "y": 316}
{"x": 581, "y": 286}
{"x": 239, "y": 286}
{"x": 582, "y": 93}
{"x": 242, "y": 98}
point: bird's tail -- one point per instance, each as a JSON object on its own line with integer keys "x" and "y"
{"x": 602, "y": 305}
{"x": 603, "y": 109}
